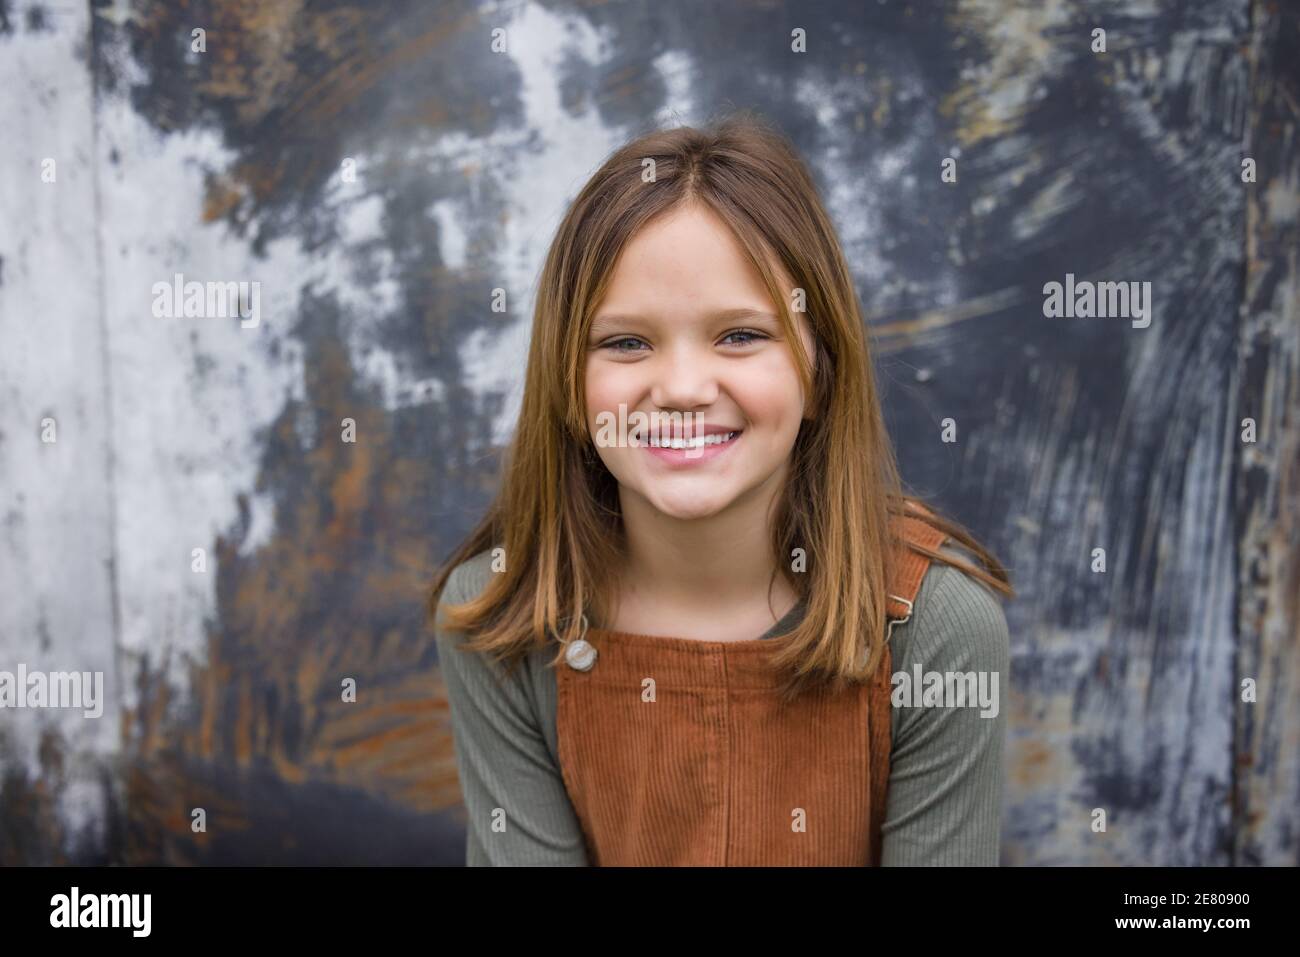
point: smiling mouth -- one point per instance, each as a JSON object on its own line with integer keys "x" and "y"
{"x": 699, "y": 442}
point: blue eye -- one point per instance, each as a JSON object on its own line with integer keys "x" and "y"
{"x": 613, "y": 344}
{"x": 753, "y": 334}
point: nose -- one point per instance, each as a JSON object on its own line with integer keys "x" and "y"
{"x": 685, "y": 380}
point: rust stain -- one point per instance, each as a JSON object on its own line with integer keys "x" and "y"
{"x": 1266, "y": 783}
{"x": 220, "y": 199}
{"x": 295, "y": 621}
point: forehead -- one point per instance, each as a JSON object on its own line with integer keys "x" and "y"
{"x": 686, "y": 261}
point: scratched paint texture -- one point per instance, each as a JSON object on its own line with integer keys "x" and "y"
{"x": 223, "y": 686}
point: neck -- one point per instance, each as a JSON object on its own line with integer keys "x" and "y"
{"x": 719, "y": 561}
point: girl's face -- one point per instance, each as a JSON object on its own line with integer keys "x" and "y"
{"x": 687, "y": 326}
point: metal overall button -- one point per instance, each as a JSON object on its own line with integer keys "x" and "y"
{"x": 898, "y": 621}
{"x": 580, "y": 653}
{"x": 890, "y": 622}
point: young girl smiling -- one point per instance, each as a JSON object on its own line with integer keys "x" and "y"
{"x": 676, "y": 647}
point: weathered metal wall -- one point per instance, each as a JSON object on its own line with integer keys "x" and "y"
{"x": 379, "y": 170}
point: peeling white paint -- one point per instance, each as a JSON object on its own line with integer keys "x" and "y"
{"x": 451, "y": 237}
{"x": 58, "y": 546}
{"x": 539, "y": 184}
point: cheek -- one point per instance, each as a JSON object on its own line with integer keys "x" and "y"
{"x": 770, "y": 393}
{"x": 602, "y": 392}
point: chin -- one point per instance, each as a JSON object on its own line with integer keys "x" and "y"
{"x": 688, "y": 507}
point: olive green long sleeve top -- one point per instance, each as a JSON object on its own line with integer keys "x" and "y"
{"x": 946, "y": 763}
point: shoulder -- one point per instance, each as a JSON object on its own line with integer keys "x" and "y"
{"x": 465, "y": 583}
{"x": 468, "y": 579}
{"x": 958, "y": 621}
{"x": 482, "y": 689}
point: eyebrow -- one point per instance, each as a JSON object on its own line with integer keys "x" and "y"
{"x": 725, "y": 315}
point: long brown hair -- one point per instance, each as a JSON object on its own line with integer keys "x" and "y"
{"x": 557, "y": 512}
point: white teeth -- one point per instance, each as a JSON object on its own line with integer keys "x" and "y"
{"x": 693, "y": 443}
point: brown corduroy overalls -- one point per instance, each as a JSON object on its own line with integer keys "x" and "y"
{"x": 716, "y": 771}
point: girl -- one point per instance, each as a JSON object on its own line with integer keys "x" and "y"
{"x": 699, "y": 642}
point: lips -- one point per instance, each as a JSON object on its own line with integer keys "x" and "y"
{"x": 693, "y": 456}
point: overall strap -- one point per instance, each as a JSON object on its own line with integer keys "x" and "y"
{"x": 909, "y": 571}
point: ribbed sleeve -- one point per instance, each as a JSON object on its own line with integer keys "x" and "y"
{"x": 518, "y": 811}
{"x": 945, "y": 780}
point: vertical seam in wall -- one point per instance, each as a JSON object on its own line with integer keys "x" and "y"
{"x": 110, "y": 461}
{"x": 1236, "y": 792}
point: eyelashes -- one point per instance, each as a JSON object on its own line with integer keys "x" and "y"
{"x": 614, "y": 345}
{"x": 754, "y": 335}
